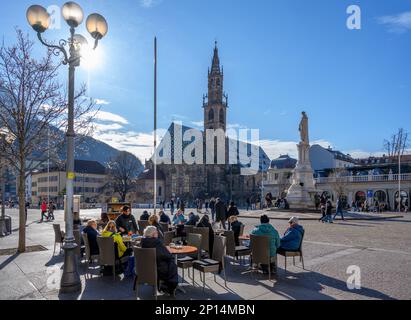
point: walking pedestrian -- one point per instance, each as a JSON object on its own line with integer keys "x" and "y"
{"x": 51, "y": 209}
{"x": 212, "y": 209}
{"x": 43, "y": 209}
{"x": 339, "y": 209}
{"x": 221, "y": 212}
{"x": 328, "y": 211}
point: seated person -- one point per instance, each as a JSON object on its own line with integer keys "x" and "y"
{"x": 205, "y": 223}
{"x": 92, "y": 233}
{"x": 153, "y": 221}
{"x": 144, "y": 216}
{"x": 292, "y": 237}
{"x": 179, "y": 218}
{"x": 266, "y": 229}
{"x": 104, "y": 219}
{"x": 126, "y": 222}
{"x": 235, "y": 225}
{"x": 166, "y": 266}
{"x": 164, "y": 217}
{"x": 192, "y": 219}
{"x": 111, "y": 231}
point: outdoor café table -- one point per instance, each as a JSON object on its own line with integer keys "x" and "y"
{"x": 244, "y": 237}
{"x": 184, "y": 250}
{"x": 130, "y": 241}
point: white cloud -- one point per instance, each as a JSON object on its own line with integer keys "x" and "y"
{"x": 397, "y": 23}
{"x": 198, "y": 123}
{"x": 99, "y": 127}
{"x": 111, "y": 117}
{"x": 149, "y": 3}
{"x": 101, "y": 102}
{"x": 275, "y": 148}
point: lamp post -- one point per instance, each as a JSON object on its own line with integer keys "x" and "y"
{"x": 39, "y": 19}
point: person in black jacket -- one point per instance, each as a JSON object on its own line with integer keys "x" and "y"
{"x": 205, "y": 223}
{"x": 192, "y": 219}
{"x": 126, "y": 222}
{"x": 92, "y": 233}
{"x": 235, "y": 225}
{"x": 232, "y": 210}
{"x": 144, "y": 216}
{"x": 221, "y": 212}
{"x": 166, "y": 266}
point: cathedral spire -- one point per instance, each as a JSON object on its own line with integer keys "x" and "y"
{"x": 215, "y": 68}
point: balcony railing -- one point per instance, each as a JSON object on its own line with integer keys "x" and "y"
{"x": 369, "y": 178}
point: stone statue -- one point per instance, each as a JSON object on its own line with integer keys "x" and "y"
{"x": 304, "y": 128}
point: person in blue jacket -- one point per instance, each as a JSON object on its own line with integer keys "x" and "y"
{"x": 292, "y": 237}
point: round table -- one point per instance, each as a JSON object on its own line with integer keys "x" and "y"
{"x": 183, "y": 250}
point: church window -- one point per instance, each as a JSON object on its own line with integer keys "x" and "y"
{"x": 218, "y": 82}
{"x": 211, "y": 115}
{"x": 221, "y": 116}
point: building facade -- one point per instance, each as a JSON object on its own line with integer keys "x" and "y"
{"x": 50, "y": 184}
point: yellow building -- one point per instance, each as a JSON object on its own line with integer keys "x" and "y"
{"x": 50, "y": 183}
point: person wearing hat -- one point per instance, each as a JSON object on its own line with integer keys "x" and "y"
{"x": 292, "y": 236}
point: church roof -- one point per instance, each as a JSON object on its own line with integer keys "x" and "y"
{"x": 264, "y": 161}
{"x": 148, "y": 174}
{"x": 284, "y": 162}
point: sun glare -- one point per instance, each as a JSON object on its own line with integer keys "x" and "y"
{"x": 91, "y": 59}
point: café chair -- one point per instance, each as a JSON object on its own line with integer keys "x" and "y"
{"x": 215, "y": 265}
{"x": 164, "y": 226}
{"x": 260, "y": 252}
{"x": 205, "y": 244}
{"x": 168, "y": 237}
{"x": 293, "y": 253}
{"x": 186, "y": 262}
{"x": 242, "y": 230}
{"x": 188, "y": 229}
{"x": 107, "y": 256}
{"x": 58, "y": 237}
{"x": 233, "y": 250}
{"x": 145, "y": 268}
{"x": 89, "y": 257}
{"x": 142, "y": 224}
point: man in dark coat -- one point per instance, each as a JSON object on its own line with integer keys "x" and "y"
{"x": 126, "y": 222}
{"x": 205, "y": 223}
{"x": 166, "y": 267}
{"x": 221, "y": 212}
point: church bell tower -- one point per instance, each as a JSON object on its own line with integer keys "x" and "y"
{"x": 215, "y": 102}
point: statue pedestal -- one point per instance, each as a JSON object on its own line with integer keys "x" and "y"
{"x": 301, "y": 193}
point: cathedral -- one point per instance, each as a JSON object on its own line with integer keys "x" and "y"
{"x": 204, "y": 180}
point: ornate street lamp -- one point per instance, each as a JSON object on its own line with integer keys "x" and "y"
{"x": 39, "y": 19}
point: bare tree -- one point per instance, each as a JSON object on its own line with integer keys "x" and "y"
{"x": 397, "y": 144}
{"x": 123, "y": 171}
{"x": 32, "y": 105}
{"x": 340, "y": 182}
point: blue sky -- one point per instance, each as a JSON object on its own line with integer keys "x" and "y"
{"x": 280, "y": 57}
